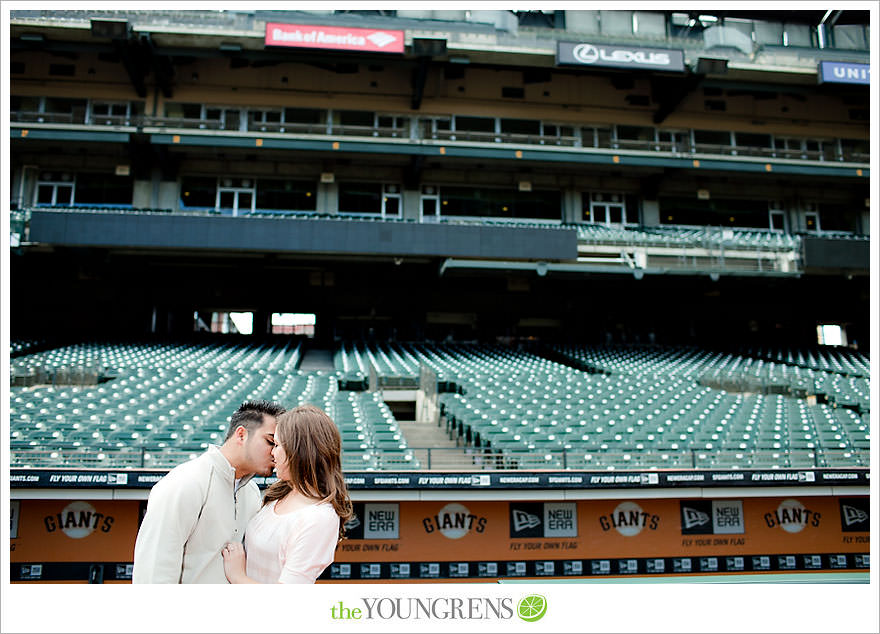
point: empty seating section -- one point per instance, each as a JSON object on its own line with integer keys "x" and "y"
{"x": 840, "y": 376}
{"x": 167, "y": 403}
{"x": 576, "y": 406}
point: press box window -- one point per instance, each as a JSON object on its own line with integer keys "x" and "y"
{"x": 55, "y": 188}
{"x": 300, "y": 118}
{"x": 177, "y": 110}
{"x": 103, "y": 189}
{"x": 363, "y": 198}
{"x": 353, "y": 119}
{"x": 286, "y": 195}
{"x": 474, "y": 124}
{"x": 430, "y": 199}
{"x": 199, "y": 192}
{"x": 711, "y": 141}
{"x": 634, "y": 136}
{"x": 501, "y": 203}
{"x": 391, "y": 200}
{"x": 520, "y": 127}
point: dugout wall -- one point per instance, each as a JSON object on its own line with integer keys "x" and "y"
{"x": 80, "y": 526}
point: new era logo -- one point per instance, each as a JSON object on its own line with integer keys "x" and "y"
{"x": 693, "y": 517}
{"x": 523, "y": 520}
{"x": 381, "y": 39}
{"x": 852, "y": 515}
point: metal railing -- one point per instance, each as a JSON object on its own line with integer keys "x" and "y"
{"x": 419, "y": 129}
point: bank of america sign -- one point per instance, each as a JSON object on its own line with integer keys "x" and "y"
{"x": 611, "y": 56}
{"x": 332, "y": 37}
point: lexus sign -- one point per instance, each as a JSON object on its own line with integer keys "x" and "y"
{"x": 334, "y": 37}
{"x": 587, "y": 54}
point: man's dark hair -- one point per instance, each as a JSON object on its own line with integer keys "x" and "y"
{"x": 250, "y": 415}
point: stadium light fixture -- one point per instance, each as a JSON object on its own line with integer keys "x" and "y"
{"x": 31, "y": 37}
{"x": 706, "y": 20}
{"x": 230, "y": 47}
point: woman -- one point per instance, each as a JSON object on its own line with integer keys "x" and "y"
{"x": 293, "y": 536}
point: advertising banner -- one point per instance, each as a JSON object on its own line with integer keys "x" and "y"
{"x": 334, "y": 37}
{"x": 594, "y": 537}
{"x": 614, "y": 56}
{"x": 384, "y": 480}
{"x": 474, "y": 539}
{"x": 76, "y": 530}
{"x": 844, "y": 73}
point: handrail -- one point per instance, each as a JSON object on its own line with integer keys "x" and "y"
{"x": 422, "y": 132}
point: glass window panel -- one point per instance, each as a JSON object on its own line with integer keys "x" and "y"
{"x": 714, "y": 212}
{"x": 45, "y": 194}
{"x": 750, "y": 139}
{"x": 64, "y": 195}
{"x": 191, "y": 110}
{"x": 103, "y": 189}
{"x": 363, "y": 198}
{"x": 25, "y": 104}
{"x": 711, "y": 137}
{"x": 500, "y": 203}
{"x": 834, "y": 217}
{"x": 355, "y": 118}
{"x": 245, "y": 200}
{"x": 303, "y": 115}
{"x": 198, "y": 191}
{"x": 63, "y": 106}
{"x": 227, "y": 199}
{"x": 475, "y": 124}
{"x": 635, "y": 133}
{"x": 286, "y": 195}
{"x": 520, "y": 126}
{"x": 392, "y": 206}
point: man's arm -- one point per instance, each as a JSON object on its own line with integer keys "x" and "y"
{"x": 172, "y": 513}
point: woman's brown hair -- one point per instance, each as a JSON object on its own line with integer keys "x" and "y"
{"x": 313, "y": 446}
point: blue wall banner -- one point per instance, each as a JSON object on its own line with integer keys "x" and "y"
{"x": 844, "y": 73}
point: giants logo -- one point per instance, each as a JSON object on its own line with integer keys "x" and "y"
{"x": 78, "y": 520}
{"x": 792, "y": 517}
{"x": 629, "y": 519}
{"x": 454, "y": 521}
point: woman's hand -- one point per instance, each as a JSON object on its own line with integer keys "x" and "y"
{"x": 234, "y": 562}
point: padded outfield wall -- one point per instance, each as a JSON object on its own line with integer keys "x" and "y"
{"x": 78, "y": 526}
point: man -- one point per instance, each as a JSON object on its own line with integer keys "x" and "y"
{"x": 204, "y": 503}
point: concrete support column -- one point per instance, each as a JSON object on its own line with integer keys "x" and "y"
{"x": 650, "y": 213}
{"x": 328, "y": 198}
{"x": 571, "y": 205}
{"x": 411, "y": 202}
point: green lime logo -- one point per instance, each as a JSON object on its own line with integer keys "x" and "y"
{"x": 532, "y": 608}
